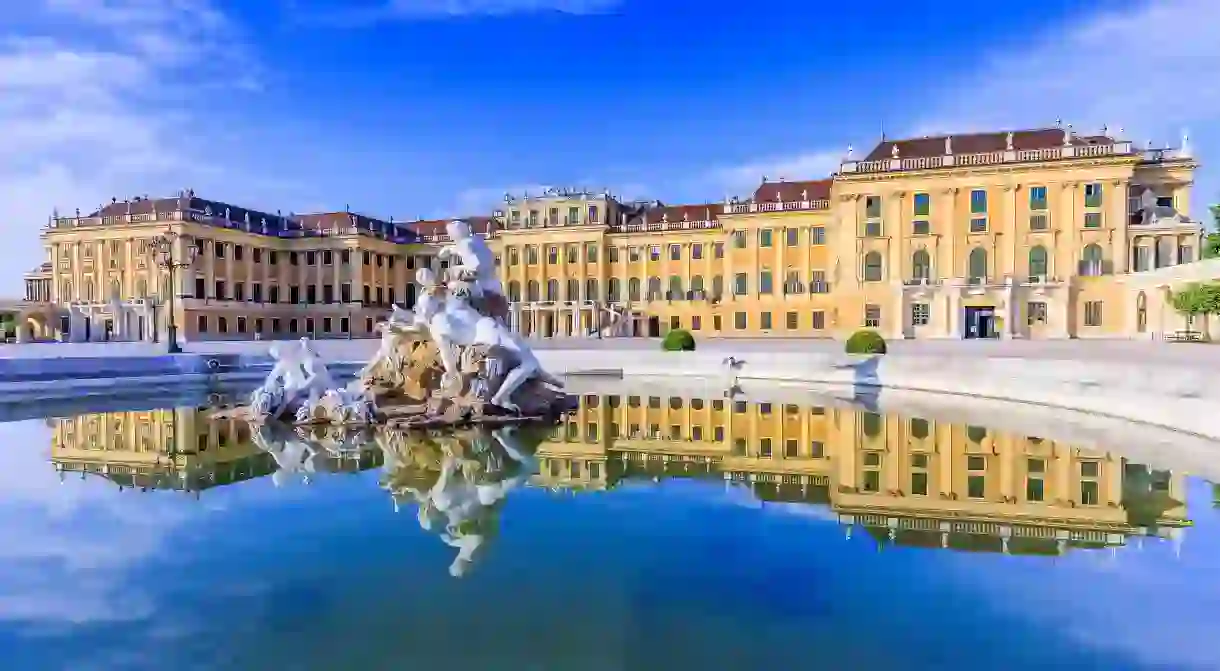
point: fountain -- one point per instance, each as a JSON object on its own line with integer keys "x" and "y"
{"x": 452, "y": 361}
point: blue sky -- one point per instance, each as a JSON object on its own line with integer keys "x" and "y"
{"x": 88, "y": 573}
{"x": 413, "y": 108}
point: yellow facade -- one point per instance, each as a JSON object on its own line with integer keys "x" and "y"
{"x": 1011, "y": 235}
{"x": 240, "y": 274}
{"x": 914, "y": 480}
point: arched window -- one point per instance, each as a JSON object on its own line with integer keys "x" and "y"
{"x": 591, "y": 289}
{"x": 977, "y": 265}
{"x": 921, "y": 265}
{"x": 870, "y": 424}
{"x": 87, "y": 294}
{"x": 696, "y": 285}
{"x": 1091, "y": 260}
{"x": 654, "y": 288}
{"x": 65, "y": 292}
{"x": 531, "y": 291}
{"x": 514, "y": 291}
{"x": 1141, "y": 312}
{"x": 633, "y": 289}
{"x": 675, "y": 288}
{"x": 1038, "y": 264}
{"x": 976, "y": 434}
{"x": 872, "y": 267}
{"x": 552, "y": 290}
{"x": 614, "y": 289}
{"x": 919, "y": 428}
{"x": 573, "y": 290}
{"x": 717, "y": 286}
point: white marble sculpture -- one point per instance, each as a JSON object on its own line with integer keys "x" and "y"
{"x": 453, "y": 323}
{"x": 476, "y": 263}
{"x": 297, "y": 377}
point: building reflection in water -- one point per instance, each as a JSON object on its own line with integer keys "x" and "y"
{"x": 901, "y": 480}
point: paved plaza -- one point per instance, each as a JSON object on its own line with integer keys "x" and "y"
{"x": 360, "y": 350}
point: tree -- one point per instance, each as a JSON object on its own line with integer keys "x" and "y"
{"x": 1198, "y": 298}
{"x": 1211, "y": 242}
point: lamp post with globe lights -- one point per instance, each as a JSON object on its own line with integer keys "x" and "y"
{"x": 163, "y": 247}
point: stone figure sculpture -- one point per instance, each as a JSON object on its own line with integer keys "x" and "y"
{"x": 476, "y": 265}
{"x": 298, "y": 376}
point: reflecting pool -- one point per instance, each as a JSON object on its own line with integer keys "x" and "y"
{"x": 662, "y": 532}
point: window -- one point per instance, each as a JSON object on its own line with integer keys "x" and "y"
{"x": 872, "y": 267}
{"x": 1035, "y": 490}
{"x": 739, "y": 239}
{"x": 791, "y": 236}
{"x": 1092, "y": 220}
{"x": 872, "y": 207}
{"x": 817, "y": 235}
{"x": 790, "y": 448}
{"x": 920, "y": 227}
{"x": 919, "y": 428}
{"x": 1039, "y": 222}
{"x": 872, "y": 316}
{"x": 976, "y": 486}
{"x": 977, "y": 265}
{"x": 919, "y": 483}
{"x": 201, "y": 324}
{"x": 921, "y": 266}
{"x": 765, "y": 283}
{"x": 675, "y": 252}
{"x": 552, "y": 254}
{"x": 872, "y": 481}
{"x": 739, "y": 321}
{"x": 1090, "y": 469}
{"x": 764, "y": 237}
{"x": 1035, "y": 313}
{"x": 765, "y": 319}
{"x": 872, "y": 229}
{"x": 792, "y": 321}
{"x": 572, "y": 254}
{"x": 978, "y": 225}
{"x": 1092, "y": 195}
{"x": 1037, "y": 198}
{"x": 654, "y": 253}
{"x": 1088, "y": 492}
{"x": 1091, "y": 261}
{"x": 740, "y": 284}
{"x": 718, "y": 250}
{"x": 1038, "y": 265}
{"x": 978, "y": 201}
{"x": 817, "y": 282}
{"x": 1092, "y": 313}
{"x": 818, "y": 320}
{"x": 920, "y": 314}
{"x": 923, "y": 204}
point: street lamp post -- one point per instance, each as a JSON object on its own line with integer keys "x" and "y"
{"x": 163, "y": 247}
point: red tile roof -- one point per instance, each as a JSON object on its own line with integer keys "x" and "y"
{"x": 480, "y": 225}
{"x": 671, "y": 213}
{"x": 980, "y": 143}
{"x": 792, "y": 192}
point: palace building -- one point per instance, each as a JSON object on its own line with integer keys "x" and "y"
{"x": 907, "y": 480}
{"x": 1042, "y": 233}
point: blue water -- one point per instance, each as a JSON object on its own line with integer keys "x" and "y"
{"x": 667, "y": 575}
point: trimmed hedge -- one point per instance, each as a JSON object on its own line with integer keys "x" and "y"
{"x": 678, "y": 340}
{"x": 865, "y": 341}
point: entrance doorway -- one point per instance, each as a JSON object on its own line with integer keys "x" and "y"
{"x": 979, "y": 323}
{"x": 636, "y": 327}
{"x": 654, "y": 327}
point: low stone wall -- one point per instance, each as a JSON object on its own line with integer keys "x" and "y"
{"x": 1176, "y": 395}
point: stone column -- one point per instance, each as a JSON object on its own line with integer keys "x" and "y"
{"x": 1010, "y": 309}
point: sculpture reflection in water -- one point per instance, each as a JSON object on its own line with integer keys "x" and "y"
{"x": 459, "y": 481}
{"x": 451, "y": 361}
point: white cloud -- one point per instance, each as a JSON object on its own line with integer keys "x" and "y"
{"x": 98, "y": 100}
{"x": 356, "y": 14}
{"x": 1149, "y": 70}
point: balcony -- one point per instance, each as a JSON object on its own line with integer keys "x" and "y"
{"x": 777, "y": 206}
{"x": 661, "y": 226}
{"x": 1000, "y": 157}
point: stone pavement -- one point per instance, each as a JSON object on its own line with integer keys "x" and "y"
{"x": 359, "y": 350}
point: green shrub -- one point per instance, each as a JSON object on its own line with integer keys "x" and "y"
{"x": 865, "y": 341}
{"x": 678, "y": 340}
